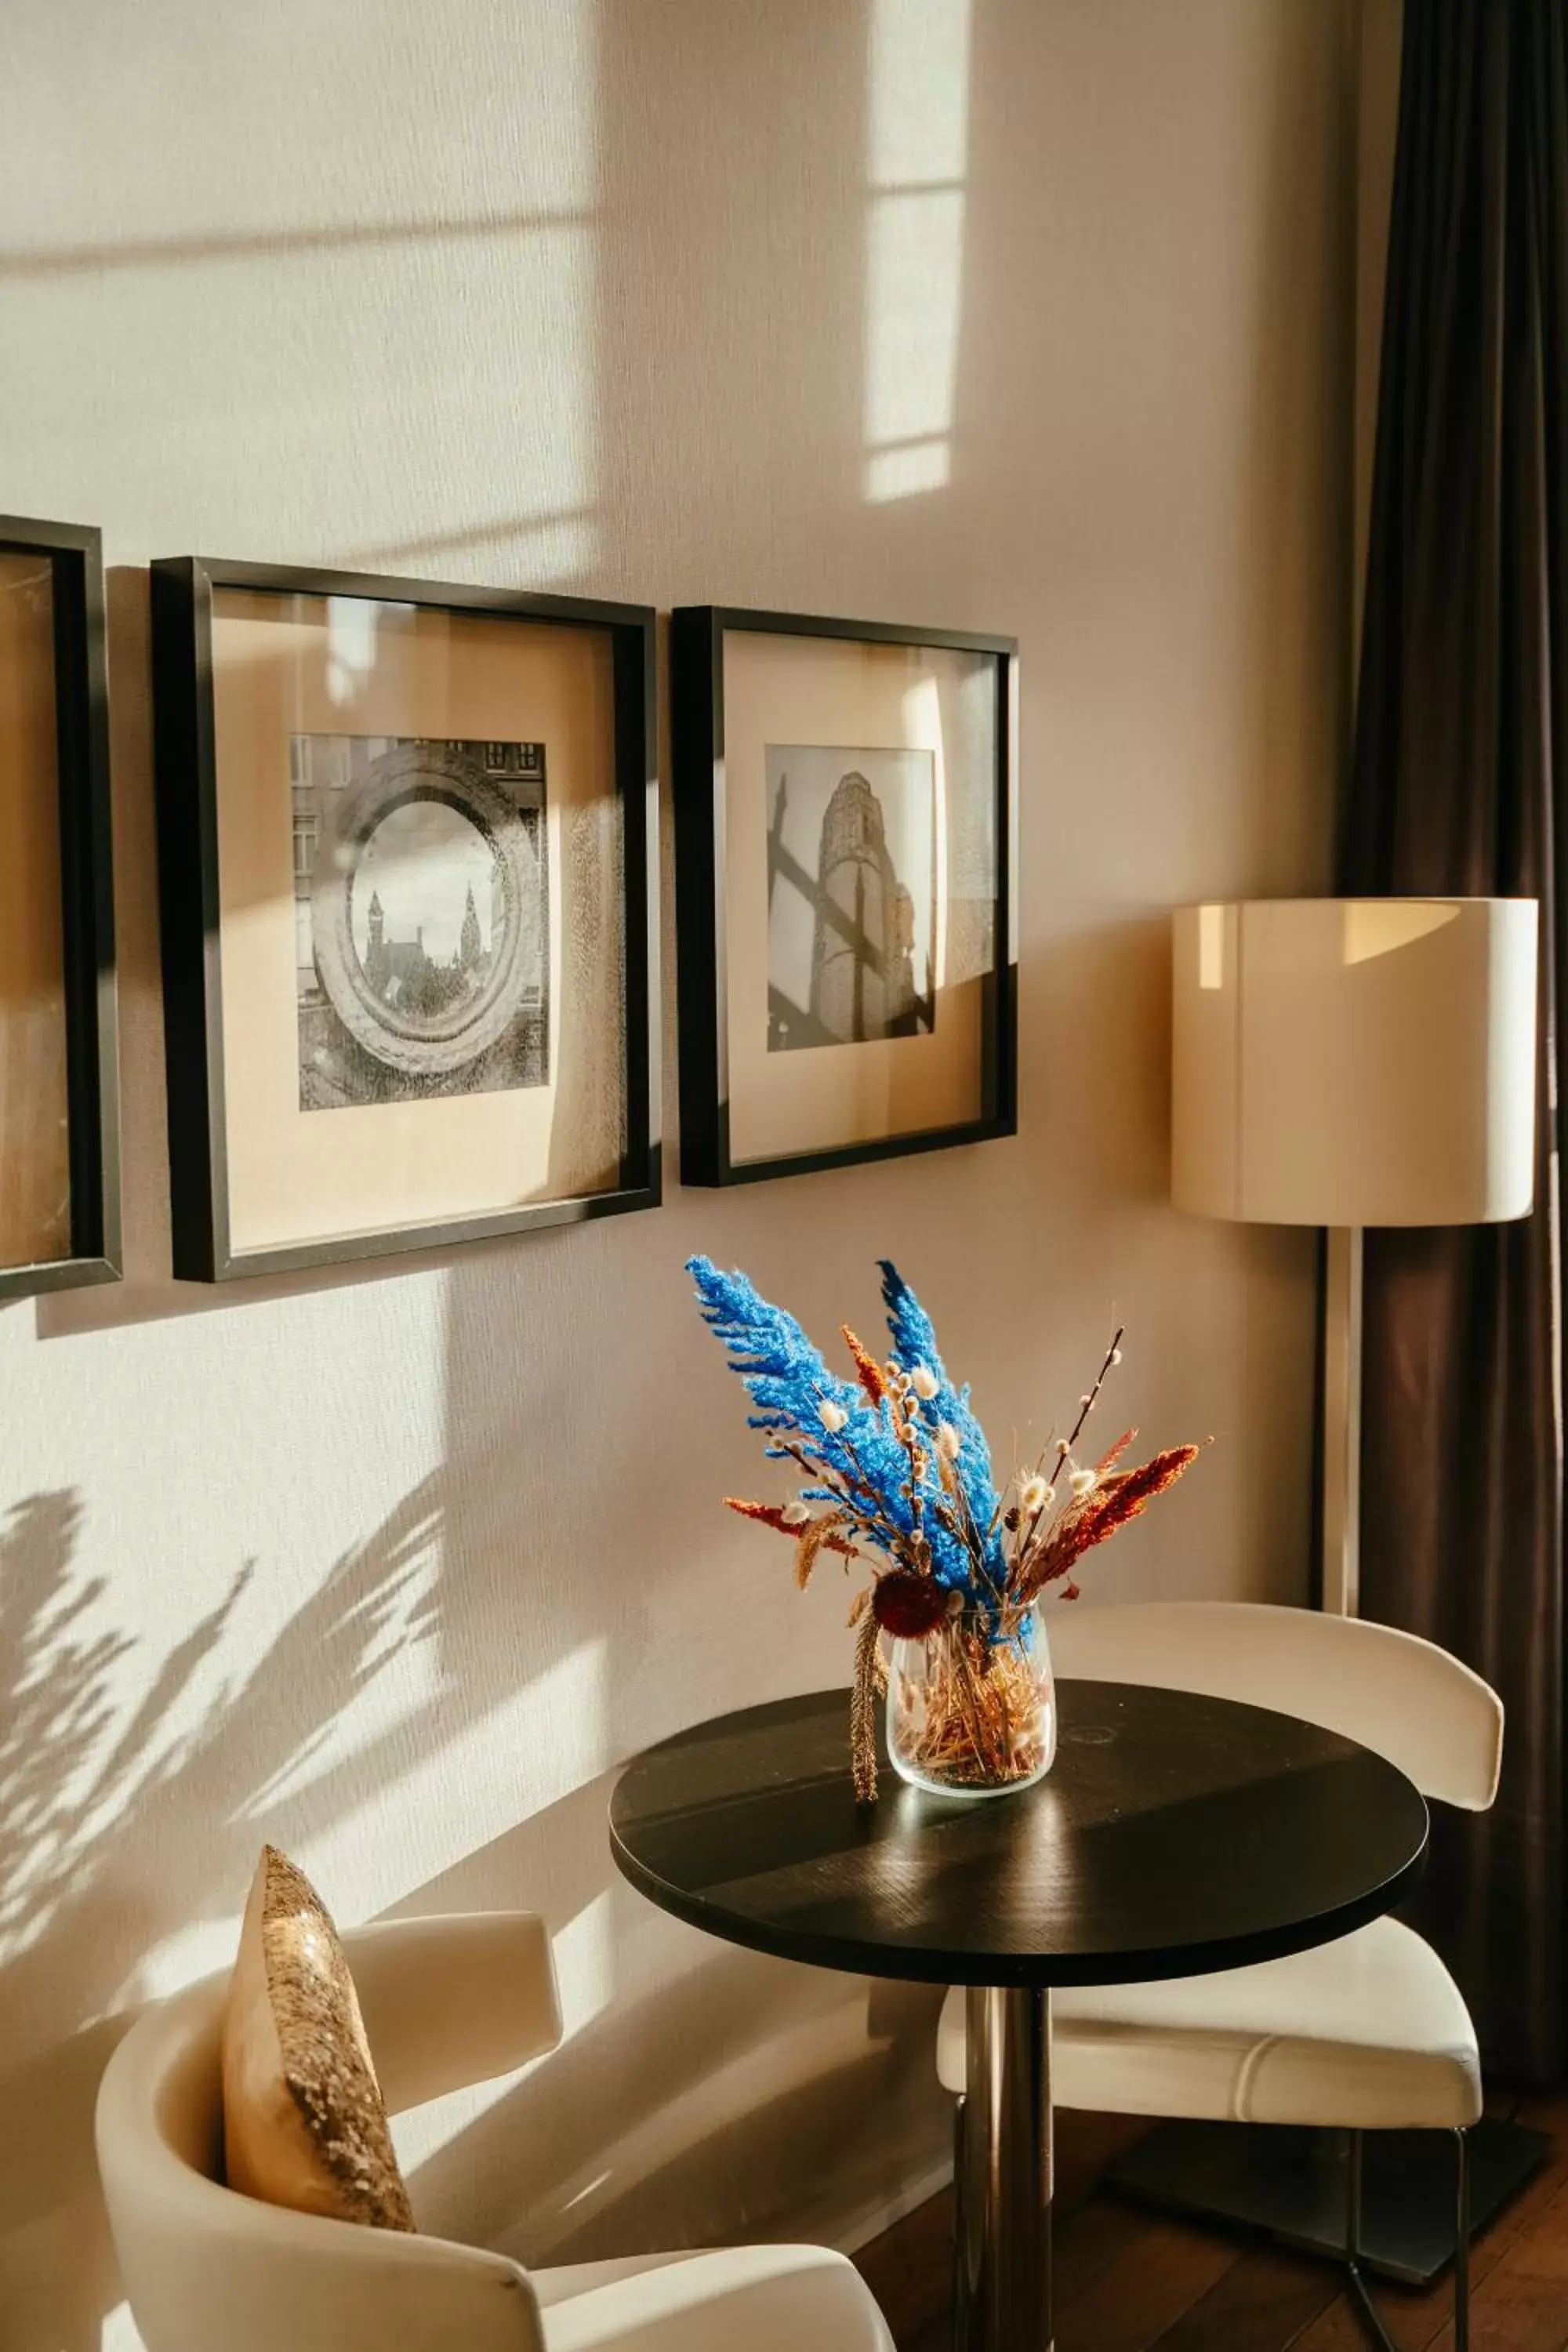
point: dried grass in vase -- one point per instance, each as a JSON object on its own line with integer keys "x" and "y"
{"x": 893, "y": 1472}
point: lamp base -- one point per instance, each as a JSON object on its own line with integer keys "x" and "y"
{"x": 1290, "y": 2184}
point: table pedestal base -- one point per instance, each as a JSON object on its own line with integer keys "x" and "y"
{"x": 1003, "y": 2176}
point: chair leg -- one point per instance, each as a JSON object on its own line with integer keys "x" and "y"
{"x": 1359, "y": 2288}
{"x": 1362, "y": 2291}
{"x": 959, "y": 2300}
{"x": 1462, "y": 2247}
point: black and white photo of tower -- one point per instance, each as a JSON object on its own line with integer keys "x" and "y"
{"x": 851, "y": 895}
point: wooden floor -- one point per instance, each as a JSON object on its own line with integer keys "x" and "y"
{"x": 1129, "y": 2279}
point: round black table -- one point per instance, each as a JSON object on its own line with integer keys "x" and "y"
{"x": 1174, "y": 1836}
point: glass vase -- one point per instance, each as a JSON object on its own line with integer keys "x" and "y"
{"x": 972, "y": 1708}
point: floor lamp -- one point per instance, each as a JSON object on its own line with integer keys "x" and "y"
{"x": 1348, "y": 1062}
{"x": 1353, "y": 1062}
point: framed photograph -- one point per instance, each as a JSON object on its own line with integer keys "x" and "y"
{"x": 407, "y": 853}
{"x": 845, "y": 838}
{"x": 59, "y": 1097}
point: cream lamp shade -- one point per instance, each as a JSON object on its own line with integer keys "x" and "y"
{"x": 1350, "y": 1062}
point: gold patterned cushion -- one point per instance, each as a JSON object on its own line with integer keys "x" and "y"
{"x": 302, "y": 2114}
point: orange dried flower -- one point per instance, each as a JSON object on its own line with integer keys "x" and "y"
{"x": 768, "y": 1514}
{"x": 867, "y": 1370}
{"x": 775, "y": 1516}
{"x": 1108, "y": 1460}
{"x": 1124, "y": 1496}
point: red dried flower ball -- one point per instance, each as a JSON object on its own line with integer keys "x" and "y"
{"x": 908, "y": 1606}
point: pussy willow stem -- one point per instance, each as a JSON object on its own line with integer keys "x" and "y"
{"x": 1065, "y": 1445}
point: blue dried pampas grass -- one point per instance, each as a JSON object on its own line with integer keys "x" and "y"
{"x": 894, "y": 1491}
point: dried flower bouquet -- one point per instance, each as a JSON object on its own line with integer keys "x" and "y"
{"x": 895, "y": 1472}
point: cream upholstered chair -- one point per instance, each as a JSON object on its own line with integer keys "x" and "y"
{"x": 1368, "y": 2033}
{"x": 446, "y": 2002}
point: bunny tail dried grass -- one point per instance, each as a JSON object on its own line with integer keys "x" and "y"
{"x": 867, "y": 1370}
{"x": 863, "y": 1711}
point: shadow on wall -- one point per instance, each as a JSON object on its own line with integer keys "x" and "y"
{"x": 120, "y": 1833}
{"x": 117, "y": 1832}
{"x": 699, "y": 2087}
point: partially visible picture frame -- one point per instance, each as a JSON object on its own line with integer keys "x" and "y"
{"x": 59, "y": 1085}
{"x": 408, "y": 876}
{"x": 846, "y": 819}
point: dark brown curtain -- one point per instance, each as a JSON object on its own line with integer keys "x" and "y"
{"x": 1460, "y": 769}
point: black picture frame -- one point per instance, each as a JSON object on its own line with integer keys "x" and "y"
{"x": 697, "y": 767}
{"x": 187, "y": 786}
{"x": 75, "y": 555}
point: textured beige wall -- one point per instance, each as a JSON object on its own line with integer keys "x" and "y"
{"x": 640, "y": 298}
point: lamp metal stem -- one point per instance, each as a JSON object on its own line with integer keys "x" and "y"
{"x": 1341, "y": 1423}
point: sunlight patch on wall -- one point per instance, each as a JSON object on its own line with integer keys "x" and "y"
{"x": 918, "y": 163}
{"x": 438, "y": 1793}
{"x": 375, "y": 323}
